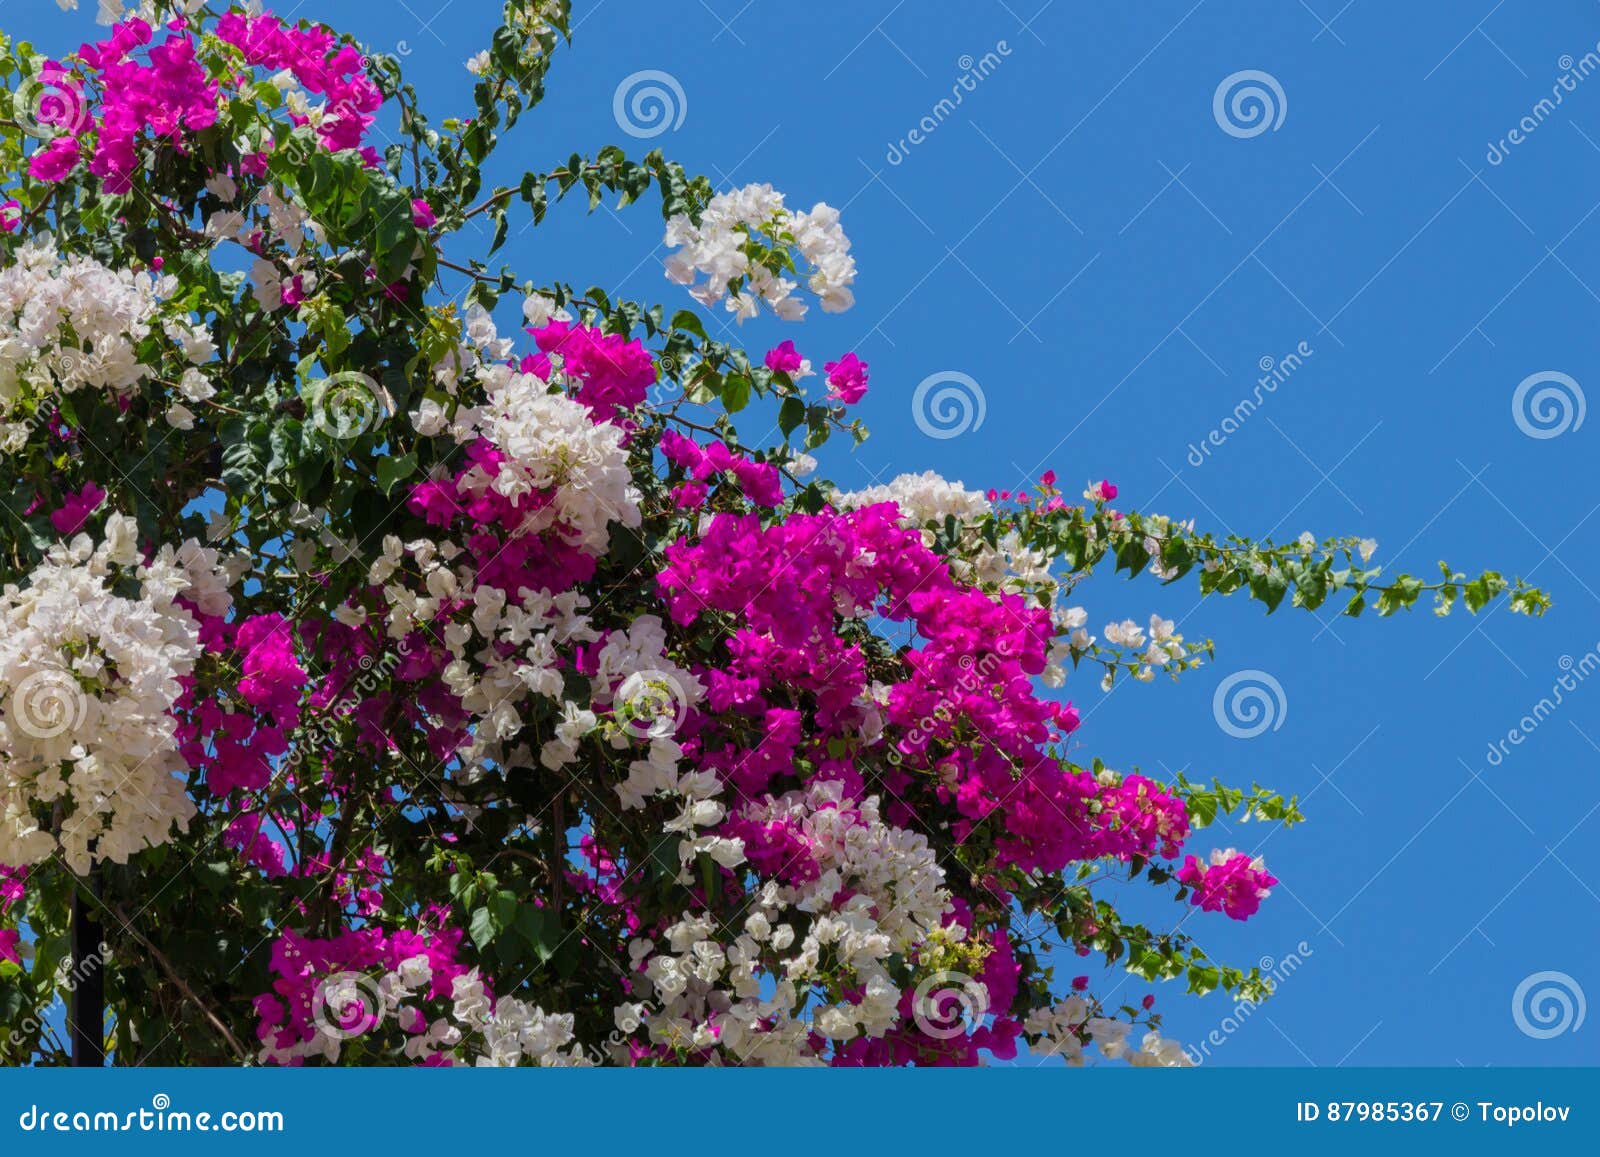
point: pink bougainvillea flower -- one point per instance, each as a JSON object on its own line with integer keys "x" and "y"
{"x": 1232, "y": 882}
{"x": 76, "y": 508}
{"x": 56, "y": 161}
{"x": 847, "y": 379}
{"x": 784, "y": 358}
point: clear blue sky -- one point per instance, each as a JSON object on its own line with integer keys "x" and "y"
{"x": 1085, "y": 241}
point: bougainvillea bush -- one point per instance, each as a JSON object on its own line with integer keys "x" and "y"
{"x": 410, "y": 664}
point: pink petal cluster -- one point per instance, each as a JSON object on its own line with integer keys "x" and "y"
{"x": 247, "y": 834}
{"x": 971, "y": 673}
{"x": 76, "y": 508}
{"x": 492, "y": 523}
{"x": 760, "y": 481}
{"x": 1232, "y": 882}
{"x": 237, "y": 749}
{"x": 319, "y": 63}
{"x": 616, "y": 373}
{"x": 301, "y": 966}
{"x": 847, "y": 379}
{"x": 11, "y": 880}
{"x": 169, "y": 94}
{"x": 273, "y": 678}
{"x": 784, "y": 358}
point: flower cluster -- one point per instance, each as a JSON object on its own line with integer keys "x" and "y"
{"x": 1232, "y": 882}
{"x": 330, "y": 995}
{"x": 69, "y": 323}
{"x": 744, "y": 241}
{"x": 319, "y": 65}
{"x": 88, "y": 681}
{"x": 11, "y": 884}
{"x": 1064, "y": 1029}
{"x": 171, "y": 94}
{"x": 921, "y": 499}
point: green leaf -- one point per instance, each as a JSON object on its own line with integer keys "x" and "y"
{"x": 394, "y": 469}
{"x": 735, "y": 393}
{"x": 481, "y": 927}
{"x": 791, "y": 416}
{"x": 1203, "y": 978}
{"x": 1270, "y": 588}
{"x": 689, "y": 322}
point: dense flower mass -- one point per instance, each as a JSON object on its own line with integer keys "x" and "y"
{"x": 68, "y": 323}
{"x": 439, "y": 676}
{"x": 88, "y": 681}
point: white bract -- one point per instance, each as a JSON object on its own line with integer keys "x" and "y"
{"x": 717, "y": 249}
{"x": 69, "y": 324}
{"x": 88, "y": 680}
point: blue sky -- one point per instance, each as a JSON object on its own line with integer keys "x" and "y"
{"x": 1085, "y": 240}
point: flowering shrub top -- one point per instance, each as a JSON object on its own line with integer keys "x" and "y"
{"x": 404, "y": 689}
